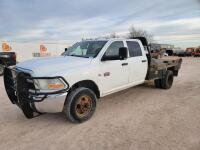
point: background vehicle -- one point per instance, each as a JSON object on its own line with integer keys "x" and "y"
{"x": 179, "y": 52}
{"x": 85, "y": 72}
{"x": 196, "y": 52}
{"x": 189, "y": 51}
{"x": 169, "y": 52}
{"x": 7, "y": 59}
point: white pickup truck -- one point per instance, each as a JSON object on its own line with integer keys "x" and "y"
{"x": 88, "y": 70}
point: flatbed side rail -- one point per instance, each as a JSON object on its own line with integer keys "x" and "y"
{"x": 158, "y": 69}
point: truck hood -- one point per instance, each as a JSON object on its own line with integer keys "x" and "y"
{"x": 51, "y": 66}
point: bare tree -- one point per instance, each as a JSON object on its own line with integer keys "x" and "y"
{"x": 113, "y": 35}
{"x": 134, "y": 32}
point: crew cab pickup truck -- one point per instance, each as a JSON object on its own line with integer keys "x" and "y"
{"x": 7, "y": 59}
{"x": 87, "y": 71}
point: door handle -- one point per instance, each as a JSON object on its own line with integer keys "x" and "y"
{"x": 124, "y": 64}
{"x": 144, "y": 61}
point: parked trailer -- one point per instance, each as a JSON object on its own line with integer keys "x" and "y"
{"x": 28, "y": 50}
{"x": 13, "y": 52}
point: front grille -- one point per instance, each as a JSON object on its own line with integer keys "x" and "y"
{"x": 25, "y": 84}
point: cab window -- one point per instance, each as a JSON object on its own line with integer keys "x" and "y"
{"x": 113, "y": 49}
{"x": 134, "y": 49}
{"x": 85, "y": 49}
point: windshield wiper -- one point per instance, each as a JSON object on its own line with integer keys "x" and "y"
{"x": 78, "y": 56}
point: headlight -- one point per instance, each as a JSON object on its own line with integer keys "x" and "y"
{"x": 50, "y": 84}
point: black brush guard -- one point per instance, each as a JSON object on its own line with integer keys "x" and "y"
{"x": 21, "y": 91}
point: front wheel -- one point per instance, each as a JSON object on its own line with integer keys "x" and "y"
{"x": 80, "y": 105}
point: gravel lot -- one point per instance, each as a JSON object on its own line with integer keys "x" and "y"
{"x": 139, "y": 118}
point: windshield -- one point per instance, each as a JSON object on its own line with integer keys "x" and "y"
{"x": 85, "y": 49}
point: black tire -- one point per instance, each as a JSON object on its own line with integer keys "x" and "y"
{"x": 1, "y": 69}
{"x": 72, "y": 107}
{"x": 168, "y": 80}
{"x": 158, "y": 83}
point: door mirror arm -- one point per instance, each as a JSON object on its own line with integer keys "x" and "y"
{"x": 123, "y": 53}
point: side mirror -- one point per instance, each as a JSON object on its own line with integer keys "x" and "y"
{"x": 66, "y": 49}
{"x": 123, "y": 53}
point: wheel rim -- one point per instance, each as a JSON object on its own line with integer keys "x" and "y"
{"x": 83, "y": 106}
{"x": 1, "y": 69}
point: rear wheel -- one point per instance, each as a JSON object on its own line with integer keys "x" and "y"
{"x": 158, "y": 83}
{"x": 80, "y": 105}
{"x": 166, "y": 82}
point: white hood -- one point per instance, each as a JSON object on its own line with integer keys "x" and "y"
{"x": 53, "y": 65}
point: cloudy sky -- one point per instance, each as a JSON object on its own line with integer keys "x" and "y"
{"x": 176, "y": 22}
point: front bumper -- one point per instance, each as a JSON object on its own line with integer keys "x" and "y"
{"x": 51, "y": 104}
{"x": 21, "y": 91}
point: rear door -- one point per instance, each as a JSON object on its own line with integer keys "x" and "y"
{"x": 137, "y": 61}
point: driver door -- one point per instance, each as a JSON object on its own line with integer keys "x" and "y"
{"x": 114, "y": 73}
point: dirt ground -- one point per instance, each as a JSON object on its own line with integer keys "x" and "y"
{"x": 140, "y": 118}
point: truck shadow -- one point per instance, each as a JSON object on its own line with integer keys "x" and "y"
{"x": 52, "y": 117}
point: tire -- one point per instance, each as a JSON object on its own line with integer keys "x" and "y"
{"x": 168, "y": 80}
{"x": 158, "y": 83}
{"x": 1, "y": 69}
{"x": 80, "y": 105}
